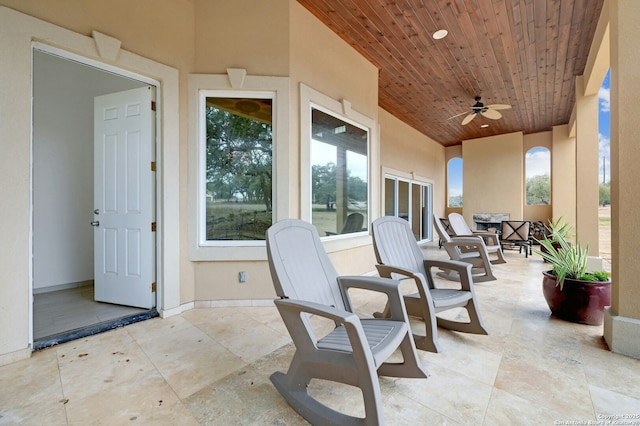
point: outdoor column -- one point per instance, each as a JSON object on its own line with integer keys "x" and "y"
{"x": 622, "y": 319}
{"x": 587, "y": 160}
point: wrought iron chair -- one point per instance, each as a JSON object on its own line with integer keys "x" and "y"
{"x": 517, "y": 233}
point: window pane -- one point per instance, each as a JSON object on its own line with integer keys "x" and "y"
{"x": 403, "y": 199}
{"x": 454, "y": 182}
{"x": 538, "y": 170}
{"x": 238, "y": 168}
{"x": 389, "y": 197}
{"x": 339, "y": 175}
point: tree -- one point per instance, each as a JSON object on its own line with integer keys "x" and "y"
{"x": 605, "y": 194}
{"x": 239, "y": 157}
{"x": 538, "y": 190}
{"x": 323, "y": 183}
{"x": 455, "y": 201}
{"x": 356, "y": 188}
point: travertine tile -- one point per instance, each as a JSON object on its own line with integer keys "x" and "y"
{"x": 211, "y": 366}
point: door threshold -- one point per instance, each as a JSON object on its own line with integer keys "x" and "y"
{"x": 67, "y": 336}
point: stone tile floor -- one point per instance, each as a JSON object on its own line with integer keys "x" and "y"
{"x": 211, "y": 367}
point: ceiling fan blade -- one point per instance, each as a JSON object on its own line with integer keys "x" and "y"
{"x": 492, "y": 114}
{"x": 458, "y": 115}
{"x": 498, "y": 106}
{"x": 468, "y": 118}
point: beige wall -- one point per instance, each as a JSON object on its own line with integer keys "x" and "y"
{"x": 493, "y": 179}
{"x": 406, "y": 150}
{"x": 242, "y": 34}
{"x": 163, "y": 33}
{"x": 18, "y": 33}
{"x": 175, "y": 33}
{"x": 563, "y": 174}
{"x": 587, "y": 162}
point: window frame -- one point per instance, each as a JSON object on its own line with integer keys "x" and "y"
{"x": 526, "y": 178}
{"x": 200, "y": 87}
{"x": 457, "y": 157}
{"x": 425, "y": 223}
{"x": 367, "y": 130}
{"x": 310, "y": 98}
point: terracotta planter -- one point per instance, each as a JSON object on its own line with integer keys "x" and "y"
{"x": 579, "y": 301}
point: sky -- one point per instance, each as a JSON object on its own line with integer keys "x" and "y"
{"x": 537, "y": 160}
{"x": 604, "y": 133}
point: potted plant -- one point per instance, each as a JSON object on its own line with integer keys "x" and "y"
{"x": 571, "y": 292}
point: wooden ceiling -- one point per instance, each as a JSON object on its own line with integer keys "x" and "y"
{"x": 525, "y": 53}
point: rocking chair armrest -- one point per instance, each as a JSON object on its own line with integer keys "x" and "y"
{"x": 386, "y": 271}
{"x": 487, "y": 237}
{"x": 390, "y": 287}
{"x": 299, "y": 306}
{"x": 423, "y": 283}
{"x": 467, "y": 241}
{"x": 462, "y": 268}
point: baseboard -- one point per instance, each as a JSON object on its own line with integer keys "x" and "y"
{"x": 58, "y": 287}
{"x": 11, "y": 357}
{"x": 235, "y": 303}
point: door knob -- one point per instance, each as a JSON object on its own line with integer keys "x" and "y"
{"x": 95, "y": 223}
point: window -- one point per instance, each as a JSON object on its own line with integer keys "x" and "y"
{"x": 352, "y": 138}
{"x": 454, "y": 182}
{"x": 537, "y": 173}
{"x": 339, "y": 174}
{"x": 410, "y": 200}
{"x": 238, "y": 167}
{"x": 239, "y": 163}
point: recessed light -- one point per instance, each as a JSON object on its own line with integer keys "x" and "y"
{"x": 440, "y": 34}
{"x": 484, "y": 126}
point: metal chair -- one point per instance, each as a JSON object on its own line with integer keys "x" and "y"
{"x": 517, "y": 233}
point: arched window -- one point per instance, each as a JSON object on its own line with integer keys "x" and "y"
{"x": 538, "y": 176}
{"x": 454, "y": 182}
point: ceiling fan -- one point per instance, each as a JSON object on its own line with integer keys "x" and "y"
{"x": 489, "y": 111}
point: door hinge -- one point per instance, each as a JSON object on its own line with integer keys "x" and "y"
{"x": 153, "y": 287}
{"x": 153, "y": 166}
{"x": 153, "y": 227}
{"x": 153, "y": 105}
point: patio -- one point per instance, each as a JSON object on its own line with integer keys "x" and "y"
{"x": 212, "y": 366}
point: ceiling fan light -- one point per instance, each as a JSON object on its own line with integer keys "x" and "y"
{"x": 440, "y": 34}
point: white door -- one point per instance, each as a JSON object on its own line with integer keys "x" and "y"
{"x": 124, "y": 196}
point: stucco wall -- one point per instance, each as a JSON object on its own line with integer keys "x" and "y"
{"x": 493, "y": 178}
{"x": 404, "y": 149}
{"x": 19, "y": 31}
{"x": 563, "y": 174}
{"x": 242, "y": 34}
